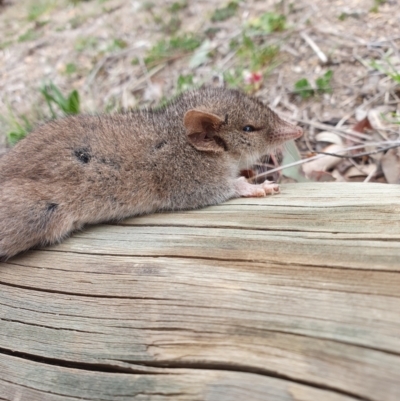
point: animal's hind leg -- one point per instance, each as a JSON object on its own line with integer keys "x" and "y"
{"x": 29, "y": 217}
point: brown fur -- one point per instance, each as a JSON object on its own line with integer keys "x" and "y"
{"x": 88, "y": 169}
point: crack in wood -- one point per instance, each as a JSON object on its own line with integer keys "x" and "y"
{"x": 246, "y": 369}
{"x": 171, "y": 365}
{"x": 222, "y": 227}
{"x": 24, "y": 287}
{"x": 256, "y": 228}
{"x": 350, "y": 236}
{"x": 87, "y": 366}
{"x": 49, "y": 327}
{"x": 247, "y": 261}
{"x": 184, "y": 329}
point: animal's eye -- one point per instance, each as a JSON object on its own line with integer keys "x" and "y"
{"x": 248, "y": 128}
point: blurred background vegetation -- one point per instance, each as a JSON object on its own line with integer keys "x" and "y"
{"x": 327, "y": 63}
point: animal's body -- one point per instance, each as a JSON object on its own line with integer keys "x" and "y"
{"x": 89, "y": 169}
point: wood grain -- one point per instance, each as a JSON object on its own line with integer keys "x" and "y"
{"x": 291, "y": 297}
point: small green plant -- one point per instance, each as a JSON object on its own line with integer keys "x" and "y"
{"x": 391, "y": 117}
{"x": 18, "y": 128}
{"x": 234, "y": 77}
{"x": 117, "y": 44}
{"x": 5, "y": 44}
{"x": 112, "y": 105}
{"x": 177, "y": 6}
{"x": 257, "y": 55}
{"x": 40, "y": 24}
{"x": 75, "y": 2}
{"x": 224, "y": 13}
{"x": 87, "y": 43}
{"x": 53, "y": 96}
{"x": 77, "y": 21}
{"x": 389, "y": 69}
{"x": 70, "y": 68}
{"x": 246, "y": 80}
{"x": 175, "y": 46}
{"x": 268, "y": 23}
{"x": 235, "y": 43}
{"x": 323, "y": 85}
{"x": 377, "y": 4}
{"x": 172, "y": 25}
{"x": 396, "y": 118}
{"x": 211, "y": 31}
{"x": 39, "y": 8}
{"x": 168, "y": 25}
{"x": 185, "y": 43}
{"x": 30, "y": 34}
{"x": 185, "y": 82}
{"x": 303, "y": 88}
{"x": 147, "y": 5}
{"x": 256, "y": 58}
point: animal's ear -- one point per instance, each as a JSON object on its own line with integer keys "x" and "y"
{"x": 201, "y": 129}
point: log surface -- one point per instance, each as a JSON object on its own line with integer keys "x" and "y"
{"x": 290, "y": 297}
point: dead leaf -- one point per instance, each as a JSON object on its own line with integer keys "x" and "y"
{"x": 337, "y": 176}
{"x": 292, "y": 154}
{"x": 201, "y": 55}
{"x": 362, "y": 125}
{"x": 321, "y": 176}
{"x": 361, "y": 171}
{"x": 391, "y": 166}
{"x": 375, "y": 117}
{"x": 376, "y": 157}
{"x": 330, "y": 137}
{"x": 324, "y": 163}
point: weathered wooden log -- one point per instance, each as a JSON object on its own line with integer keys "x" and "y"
{"x": 290, "y": 297}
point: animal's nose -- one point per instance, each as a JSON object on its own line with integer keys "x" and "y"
{"x": 286, "y": 131}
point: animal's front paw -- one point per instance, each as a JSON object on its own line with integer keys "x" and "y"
{"x": 270, "y": 188}
{"x": 247, "y": 190}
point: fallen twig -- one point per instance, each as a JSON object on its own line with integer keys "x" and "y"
{"x": 321, "y": 55}
{"x": 323, "y": 154}
{"x": 373, "y": 152}
{"x": 341, "y": 132}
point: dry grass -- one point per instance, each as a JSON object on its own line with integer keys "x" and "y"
{"x": 100, "y": 48}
